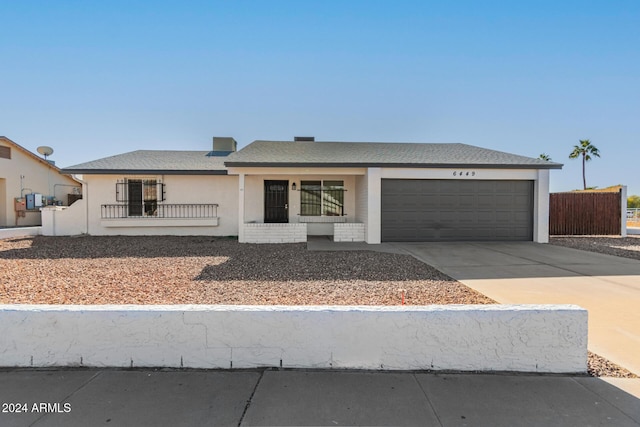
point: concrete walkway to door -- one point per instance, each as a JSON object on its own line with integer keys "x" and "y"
{"x": 532, "y": 273}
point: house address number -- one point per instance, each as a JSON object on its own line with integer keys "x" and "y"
{"x": 464, "y": 173}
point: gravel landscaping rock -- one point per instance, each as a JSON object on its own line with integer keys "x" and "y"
{"x": 627, "y": 247}
{"x": 600, "y": 367}
{"x": 205, "y": 270}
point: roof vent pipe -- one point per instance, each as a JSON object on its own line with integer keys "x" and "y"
{"x": 304, "y": 138}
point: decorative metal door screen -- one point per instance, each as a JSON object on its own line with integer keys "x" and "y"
{"x": 276, "y": 201}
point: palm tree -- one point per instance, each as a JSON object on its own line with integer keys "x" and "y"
{"x": 545, "y": 157}
{"x": 586, "y": 150}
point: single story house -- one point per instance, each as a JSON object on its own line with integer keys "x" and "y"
{"x": 29, "y": 182}
{"x": 284, "y": 191}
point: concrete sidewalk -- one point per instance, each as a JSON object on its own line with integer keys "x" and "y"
{"x": 327, "y": 398}
{"x": 532, "y": 273}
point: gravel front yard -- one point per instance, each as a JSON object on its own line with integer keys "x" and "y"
{"x": 627, "y": 247}
{"x": 204, "y": 270}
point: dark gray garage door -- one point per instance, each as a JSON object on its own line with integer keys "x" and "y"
{"x": 456, "y": 210}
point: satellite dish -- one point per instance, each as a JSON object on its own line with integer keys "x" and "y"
{"x": 45, "y": 151}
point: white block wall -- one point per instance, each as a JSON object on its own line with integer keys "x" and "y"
{"x": 9, "y": 233}
{"x": 526, "y": 338}
{"x": 65, "y": 220}
{"x": 275, "y": 233}
{"x": 348, "y": 232}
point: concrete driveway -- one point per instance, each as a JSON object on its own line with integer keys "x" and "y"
{"x": 532, "y": 273}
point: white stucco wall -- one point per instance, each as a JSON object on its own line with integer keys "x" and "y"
{"x": 533, "y": 338}
{"x": 373, "y": 222}
{"x": 39, "y": 177}
{"x": 219, "y": 189}
{"x": 64, "y": 220}
{"x": 541, "y": 207}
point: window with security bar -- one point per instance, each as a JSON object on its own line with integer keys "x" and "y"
{"x": 322, "y": 198}
{"x": 141, "y": 196}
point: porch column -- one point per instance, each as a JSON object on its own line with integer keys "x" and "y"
{"x": 241, "y": 208}
{"x": 374, "y": 205}
{"x": 541, "y": 207}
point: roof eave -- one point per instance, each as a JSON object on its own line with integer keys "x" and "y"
{"x": 142, "y": 171}
{"x": 393, "y": 165}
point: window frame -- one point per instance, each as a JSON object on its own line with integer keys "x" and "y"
{"x": 325, "y": 197}
{"x": 5, "y": 152}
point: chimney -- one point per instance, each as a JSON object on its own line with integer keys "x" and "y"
{"x": 304, "y": 138}
{"x": 224, "y": 144}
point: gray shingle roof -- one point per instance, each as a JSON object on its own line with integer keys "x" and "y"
{"x": 373, "y": 154}
{"x": 154, "y": 161}
{"x": 288, "y": 154}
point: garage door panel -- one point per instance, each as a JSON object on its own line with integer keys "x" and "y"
{"x": 466, "y": 217}
{"x": 443, "y": 186}
{"x": 447, "y": 201}
{"x": 504, "y": 216}
{"x": 504, "y": 186}
{"x": 521, "y": 217}
{"x": 484, "y": 216}
{"x": 466, "y": 186}
{"x": 504, "y": 232}
{"x": 521, "y": 200}
{"x": 427, "y": 199}
{"x": 504, "y": 201}
{"x": 466, "y": 201}
{"x": 456, "y": 210}
{"x": 486, "y": 203}
{"x": 522, "y": 186}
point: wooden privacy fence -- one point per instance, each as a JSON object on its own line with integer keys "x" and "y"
{"x": 585, "y": 213}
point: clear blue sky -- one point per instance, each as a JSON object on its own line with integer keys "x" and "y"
{"x": 93, "y": 79}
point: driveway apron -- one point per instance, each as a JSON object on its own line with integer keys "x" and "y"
{"x": 532, "y": 273}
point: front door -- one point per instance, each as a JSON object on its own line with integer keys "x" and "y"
{"x": 276, "y": 201}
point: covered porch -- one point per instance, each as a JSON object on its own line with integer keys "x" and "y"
{"x": 286, "y": 205}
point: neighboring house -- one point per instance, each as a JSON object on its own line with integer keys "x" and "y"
{"x": 284, "y": 191}
{"x": 29, "y": 182}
